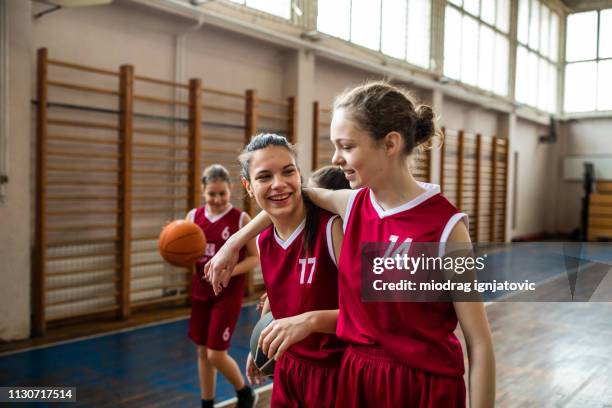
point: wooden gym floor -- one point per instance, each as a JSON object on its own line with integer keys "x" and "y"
{"x": 549, "y": 354}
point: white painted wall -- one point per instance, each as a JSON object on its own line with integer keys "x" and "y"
{"x": 537, "y": 174}
{"x": 331, "y": 78}
{"x": 108, "y": 36}
{"x": 233, "y": 62}
{"x": 15, "y": 210}
{"x": 459, "y": 115}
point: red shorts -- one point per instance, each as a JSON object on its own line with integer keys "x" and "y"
{"x": 371, "y": 378}
{"x": 304, "y": 384}
{"x": 213, "y": 321}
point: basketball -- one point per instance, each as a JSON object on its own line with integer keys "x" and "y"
{"x": 265, "y": 365}
{"x": 182, "y": 243}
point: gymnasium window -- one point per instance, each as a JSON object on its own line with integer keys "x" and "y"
{"x": 476, "y": 43}
{"x": 537, "y": 55}
{"x": 588, "y": 56}
{"x": 279, "y": 8}
{"x": 398, "y": 28}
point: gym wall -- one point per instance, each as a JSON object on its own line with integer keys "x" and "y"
{"x": 578, "y": 138}
{"x": 457, "y": 114}
{"x": 536, "y": 181}
{"x": 164, "y": 46}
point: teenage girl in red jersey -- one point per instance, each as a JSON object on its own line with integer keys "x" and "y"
{"x": 298, "y": 262}
{"x": 400, "y": 354}
{"x": 213, "y": 318}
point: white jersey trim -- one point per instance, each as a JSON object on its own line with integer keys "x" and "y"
{"x": 191, "y": 215}
{"x": 330, "y": 240}
{"x": 430, "y": 191}
{"x": 217, "y": 217}
{"x": 257, "y": 244}
{"x": 448, "y": 228}
{"x": 292, "y": 237}
{"x": 349, "y": 208}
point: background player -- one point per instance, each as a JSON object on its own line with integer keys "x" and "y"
{"x": 329, "y": 177}
{"x": 213, "y": 318}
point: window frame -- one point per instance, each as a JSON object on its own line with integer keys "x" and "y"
{"x": 596, "y": 60}
{"x": 526, "y": 45}
{"x": 558, "y": 64}
{"x": 306, "y": 25}
{"x": 496, "y": 31}
{"x": 292, "y": 20}
{"x": 429, "y": 69}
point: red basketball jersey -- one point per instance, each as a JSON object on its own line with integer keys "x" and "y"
{"x": 217, "y": 228}
{"x": 418, "y": 333}
{"x": 297, "y": 282}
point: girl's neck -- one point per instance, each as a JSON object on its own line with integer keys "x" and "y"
{"x": 209, "y": 212}
{"x": 396, "y": 188}
{"x": 285, "y": 225}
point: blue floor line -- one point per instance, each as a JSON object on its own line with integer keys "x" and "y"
{"x": 152, "y": 360}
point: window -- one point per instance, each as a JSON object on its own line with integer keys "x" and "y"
{"x": 334, "y": 18}
{"x": 397, "y": 28}
{"x": 537, "y": 55}
{"x": 476, "y": 43}
{"x": 279, "y": 8}
{"x": 365, "y": 23}
{"x": 588, "y": 55}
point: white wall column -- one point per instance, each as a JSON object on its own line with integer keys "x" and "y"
{"x": 16, "y": 57}
{"x": 437, "y": 104}
{"x": 507, "y": 128}
{"x": 299, "y": 81}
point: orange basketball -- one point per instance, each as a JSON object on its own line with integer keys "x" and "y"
{"x": 182, "y": 243}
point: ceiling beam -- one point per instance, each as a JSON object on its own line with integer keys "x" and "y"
{"x": 585, "y": 5}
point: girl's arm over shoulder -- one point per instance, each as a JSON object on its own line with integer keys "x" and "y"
{"x": 252, "y": 258}
{"x": 218, "y": 270}
{"x": 334, "y": 201}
